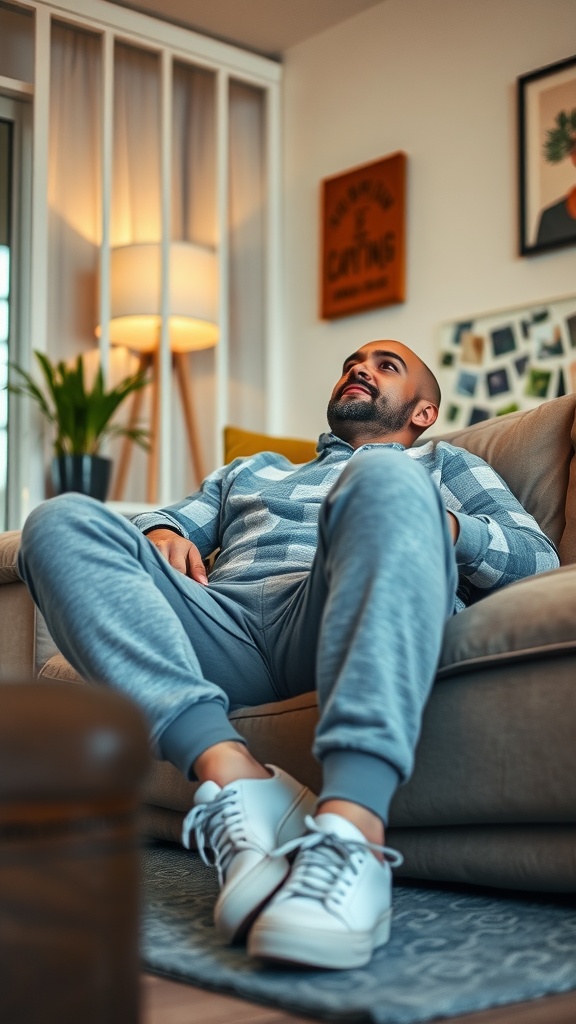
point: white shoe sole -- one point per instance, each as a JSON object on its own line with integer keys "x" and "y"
{"x": 239, "y": 904}
{"x": 318, "y": 947}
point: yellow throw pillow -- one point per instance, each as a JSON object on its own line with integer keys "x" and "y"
{"x": 239, "y": 442}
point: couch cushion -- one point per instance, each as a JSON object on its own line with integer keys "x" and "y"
{"x": 58, "y": 668}
{"x": 496, "y": 747}
{"x": 526, "y": 620}
{"x": 238, "y": 442}
{"x": 530, "y": 857}
{"x": 533, "y": 451}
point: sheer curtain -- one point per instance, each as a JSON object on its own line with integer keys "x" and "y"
{"x": 136, "y": 161}
{"x": 74, "y": 191}
{"x": 193, "y": 202}
{"x": 136, "y": 206}
{"x": 194, "y": 155}
{"x": 247, "y": 398}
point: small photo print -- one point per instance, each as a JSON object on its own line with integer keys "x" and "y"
{"x": 521, "y": 365}
{"x": 477, "y": 415}
{"x": 538, "y": 383}
{"x": 466, "y": 383}
{"x": 447, "y": 359}
{"x": 539, "y": 315}
{"x": 550, "y": 344}
{"x": 525, "y": 326}
{"x": 512, "y": 407}
{"x": 452, "y": 413}
{"x": 503, "y": 341}
{"x": 571, "y": 325}
{"x": 460, "y": 329}
{"x": 497, "y": 382}
{"x": 472, "y": 348}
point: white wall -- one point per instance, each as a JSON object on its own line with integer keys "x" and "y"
{"x": 437, "y": 80}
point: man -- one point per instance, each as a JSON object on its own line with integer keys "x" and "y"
{"x": 337, "y": 575}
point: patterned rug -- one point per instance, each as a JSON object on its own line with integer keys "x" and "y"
{"x": 452, "y": 951}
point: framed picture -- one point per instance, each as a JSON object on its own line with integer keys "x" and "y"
{"x": 363, "y": 232}
{"x": 547, "y": 157}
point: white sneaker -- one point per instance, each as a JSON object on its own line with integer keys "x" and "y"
{"x": 335, "y": 909}
{"x": 240, "y": 825}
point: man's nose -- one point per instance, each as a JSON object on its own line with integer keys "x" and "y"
{"x": 361, "y": 371}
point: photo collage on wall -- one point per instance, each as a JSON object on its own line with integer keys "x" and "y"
{"x": 501, "y": 362}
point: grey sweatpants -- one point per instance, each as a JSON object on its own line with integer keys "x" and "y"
{"x": 363, "y": 627}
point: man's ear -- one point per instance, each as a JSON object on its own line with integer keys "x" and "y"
{"x": 424, "y": 415}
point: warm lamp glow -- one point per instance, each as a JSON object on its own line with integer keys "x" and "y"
{"x": 135, "y": 319}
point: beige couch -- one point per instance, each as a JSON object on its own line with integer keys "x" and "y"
{"x": 493, "y": 796}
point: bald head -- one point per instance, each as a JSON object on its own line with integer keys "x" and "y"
{"x": 428, "y": 386}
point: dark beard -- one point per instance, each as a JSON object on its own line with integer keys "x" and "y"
{"x": 344, "y": 413}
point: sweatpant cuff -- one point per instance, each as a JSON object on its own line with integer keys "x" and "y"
{"x": 362, "y": 778}
{"x": 196, "y": 729}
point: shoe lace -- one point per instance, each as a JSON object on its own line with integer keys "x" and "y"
{"x": 326, "y": 863}
{"x": 218, "y": 829}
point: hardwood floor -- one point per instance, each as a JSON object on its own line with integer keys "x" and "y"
{"x": 169, "y": 1002}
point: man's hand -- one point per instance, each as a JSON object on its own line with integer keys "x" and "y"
{"x": 454, "y": 525}
{"x": 181, "y": 553}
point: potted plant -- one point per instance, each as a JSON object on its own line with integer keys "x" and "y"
{"x": 82, "y": 419}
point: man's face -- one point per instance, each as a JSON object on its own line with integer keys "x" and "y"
{"x": 378, "y": 388}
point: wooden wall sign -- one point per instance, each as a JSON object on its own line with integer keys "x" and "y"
{"x": 363, "y": 237}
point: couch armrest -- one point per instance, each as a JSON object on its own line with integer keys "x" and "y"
{"x": 17, "y": 615}
{"x": 9, "y": 544}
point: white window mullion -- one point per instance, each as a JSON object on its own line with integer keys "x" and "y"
{"x": 41, "y": 128}
{"x": 164, "y": 362}
{"x": 273, "y": 285}
{"x": 107, "y": 146}
{"x": 222, "y": 216}
{"x": 30, "y": 451}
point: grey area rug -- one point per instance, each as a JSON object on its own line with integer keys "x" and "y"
{"x": 452, "y": 951}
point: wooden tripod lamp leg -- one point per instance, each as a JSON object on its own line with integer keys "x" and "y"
{"x": 152, "y": 485}
{"x": 127, "y": 443}
{"x": 181, "y": 367}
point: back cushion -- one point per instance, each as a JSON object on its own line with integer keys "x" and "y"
{"x": 238, "y": 442}
{"x": 533, "y": 451}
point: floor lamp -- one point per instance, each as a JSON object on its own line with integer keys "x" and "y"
{"x": 135, "y": 274}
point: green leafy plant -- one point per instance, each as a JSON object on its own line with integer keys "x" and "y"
{"x": 561, "y": 140}
{"x": 81, "y": 418}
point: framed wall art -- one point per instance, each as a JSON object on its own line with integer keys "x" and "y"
{"x": 547, "y": 157}
{"x": 500, "y": 362}
{"x": 363, "y": 237}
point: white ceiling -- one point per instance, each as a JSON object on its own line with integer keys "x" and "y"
{"x": 265, "y": 26}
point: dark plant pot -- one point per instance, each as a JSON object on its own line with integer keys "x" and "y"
{"x": 88, "y": 474}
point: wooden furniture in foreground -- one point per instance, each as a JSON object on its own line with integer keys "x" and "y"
{"x": 71, "y": 760}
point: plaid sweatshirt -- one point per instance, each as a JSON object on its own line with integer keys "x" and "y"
{"x": 262, "y": 513}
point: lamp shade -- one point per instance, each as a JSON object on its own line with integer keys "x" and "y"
{"x": 135, "y": 272}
